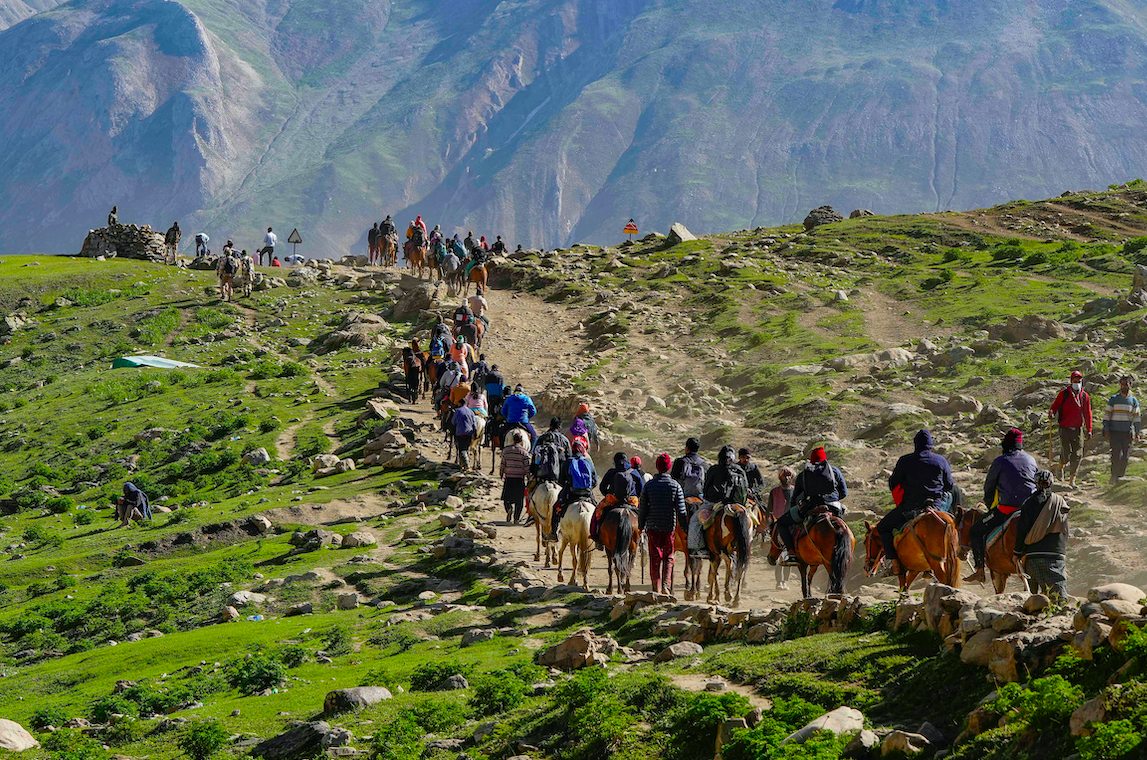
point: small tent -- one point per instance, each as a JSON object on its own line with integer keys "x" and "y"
{"x": 149, "y": 361}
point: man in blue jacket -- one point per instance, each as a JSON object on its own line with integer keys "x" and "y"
{"x": 922, "y": 478}
{"x": 519, "y": 409}
{"x": 1010, "y": 482}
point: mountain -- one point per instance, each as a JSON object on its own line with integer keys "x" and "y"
{"x": 553, "y": 122}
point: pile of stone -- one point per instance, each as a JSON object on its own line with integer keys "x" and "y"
{"x": 392, "y": 449}
{"x": 330, "y": 464}
{"x": 357, "y": 329}
{"x": 128, "y": 241}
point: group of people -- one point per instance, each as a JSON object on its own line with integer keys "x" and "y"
{"x": 448, "y": 253}
{"x": 174, "y": 234}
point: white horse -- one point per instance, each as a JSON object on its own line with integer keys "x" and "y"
{"x": 574, "y": 532}
{"x": 541, "y": 503}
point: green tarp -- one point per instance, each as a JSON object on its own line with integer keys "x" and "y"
{"x": 149, "y": 361}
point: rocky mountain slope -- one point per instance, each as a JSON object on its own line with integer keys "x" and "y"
{"x": 552, "y": 123}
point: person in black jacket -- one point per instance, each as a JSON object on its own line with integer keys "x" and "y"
{"x": 1041, "y": 537}
{"x": 817, "y": 485}
{"x": 922, "y": 478}
{"x": 660, "y": 511}
{"x": 725, "y": 483}
{"x": 618, "y": 486}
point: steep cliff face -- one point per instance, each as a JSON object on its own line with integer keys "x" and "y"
{"x": 555, "y": 122}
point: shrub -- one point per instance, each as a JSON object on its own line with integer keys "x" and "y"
{"x": 1046, "y": 704}
{"x": 337, "y": 640}
{"x": 429, "y": 675}
{"x": 49, "y": 716}
{"x": 438, "y": 715}
{"x": 42, "y": 537}
{"x": 496, "y": 692}
{"x": 105, "y": 707}
{"x": 293, "y": 655}
{"x": 122, "y": 729}
{"x": 64, "y": 581}
{"x": 60, "y": 505}
{"x": 1110, "y": 741}
{"x": 203, "y": 739}
{"x": 256, "y": 672}
{"x": 400, "y": 739}
{"x": 84, "y": 518}
{"x": 39, "y": 588}
{"x": 1035, "y": 259}
{"x": 70, "y": 744}
{"x": 1008, "y": 252}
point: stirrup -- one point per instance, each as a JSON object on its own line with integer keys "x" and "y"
{"x": 979, "y": 576}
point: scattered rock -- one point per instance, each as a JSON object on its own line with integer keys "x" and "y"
{"x": 303, "y": 741}
{"x": 857, "y": 214}
{"x": 1124, "y": 591}
{"x": 842, "y": 720}
{"x": 679, "y": 233}
{"x": 580, "y": 649}
{"x": 14, "y": 737}
{"x": 903, "y": 744}
{"x": 822, "y": 215}
{"x": 476, "y": 635}
{"x": 680, "y": 649}
{"x": 359, "y": 538}
{"x": 241, "y": 598}
{"x": 257, "y": 458}
{"x": 355, "y": 698}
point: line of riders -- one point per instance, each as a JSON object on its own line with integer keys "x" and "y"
{"x": 450, "y": 256}
{"x": 927, "y": 531}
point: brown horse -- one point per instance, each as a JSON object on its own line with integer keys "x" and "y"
{"x": 477, "y": 276}
{"x": 619, "y": 535}
{"x": 1001, "y": 560}
{"x": 693, "y": 565}
{"x": 388, "y": 250}
{"x": 729, "y": 539}
{"x": 928, "y": 545}
{"x": 827, "y": 541}
{"x": 416, "y": 256}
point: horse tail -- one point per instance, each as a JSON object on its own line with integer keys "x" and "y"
{"x": 621, "y": 550}
{"x": 841, "y": 557}
{"x": 743, "y": 535}
{"x": 952, "y": 553}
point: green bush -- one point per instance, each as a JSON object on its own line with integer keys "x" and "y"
{"x": 695, "y": 727}
{"x": 1110, "y": 741}
{"x": 203, "y": 739}
{"x": 84, "y": 518}
{"x": 122, "y": 729}
{"x": 1008, "y": 252}
{"x": 49, "y": 716}
{"x": 763, "y": 740}
{"x": 337, "y": 641}
{"x": 256, "y": 672}
{"x": 430, "y": 675}
{"x": 60, "y": 505}
{"x": 438, "y": 715}
{"x": 1035, "y": 259}
{"x": 293, "y": 369}
{"x": 102, "y": 709}
{"x": 70, "y": 744}
{"x": 1045, "y": 705}
{"x": 496, "y": 692}
{"x": 293, "y": 655}
{"x": 400, "y": 739}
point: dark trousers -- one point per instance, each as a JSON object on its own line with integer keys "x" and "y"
{"x": 979, "y": 535}
{"x": 891, "y": 523}
{"x": 786, "y": 527}
{"x": 1120, "y": 451}
{"x": 269, "y": 251}
{"x": 514, "y": 496}
{"x": 660, "y": 558}
{"x": 1070, "y": 450}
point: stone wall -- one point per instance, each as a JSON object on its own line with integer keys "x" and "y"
{"x": 128, "y": 241}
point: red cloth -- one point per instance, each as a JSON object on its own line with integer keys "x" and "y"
{"x": 1073, "y": 409}
{"x": 660, "y": 558}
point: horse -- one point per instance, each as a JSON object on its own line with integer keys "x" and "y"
{"x": 416, "y": 256}
{"x": 618, "y": 531}
{"x": 540, "y": 504}
{"x": 826, "y": 541}
{"x": 1000, "y": 558}
{"x": 388, "y": 250}
{"x": 693, "y": 565}
{"x": 574, "y": 533}
{"x": 930, "y": 545}
{"x": 728, "y": 538}
{"x": 495, "y": 430}
{"x": 412, "y": 369}
{"x": 477, "y": 276}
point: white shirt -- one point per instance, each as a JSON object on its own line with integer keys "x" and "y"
{"x": 270, "y": 239}
{"x": 202, "y": 237}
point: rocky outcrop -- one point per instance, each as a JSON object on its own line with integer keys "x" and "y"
{"x": 579, "y": 650}
{"x": 679, "y": 233}
{"x": 1030, "y": 327}
{"x": 127, "y": 241}
{"x": 355, "y": 698}
{"x": 822, "y": 215}
{"x": 860, "y": 213}
{"x": 14, "y": 737}
{"x": 303, "y": 741}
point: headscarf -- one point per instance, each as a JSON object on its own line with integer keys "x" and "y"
{"x": 621, "y": 462}
{"x": 137, "y": 498}
{"x": 635, "y": 462}
{"x": 583, "y": 408}
{"x": 580, "y": 446}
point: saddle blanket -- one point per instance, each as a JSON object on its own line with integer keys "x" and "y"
{"x": 995, "y": 535}
{"x": 709, "y": 513}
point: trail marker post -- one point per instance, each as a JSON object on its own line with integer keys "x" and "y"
{"x": 294, "y": 239}
{"x": 630, "y": 229}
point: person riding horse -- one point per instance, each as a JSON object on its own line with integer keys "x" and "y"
{"x": 725, "y": 483}
{"x": 819, "y": 484}
{"x": 920, "y": 479}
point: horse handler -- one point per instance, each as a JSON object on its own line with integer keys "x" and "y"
{"x": 660, "y": 510}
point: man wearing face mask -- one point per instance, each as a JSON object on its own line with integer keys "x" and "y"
{"x": 1072, "y": 410}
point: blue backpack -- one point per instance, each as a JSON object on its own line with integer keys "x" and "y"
{"x": 581, "y": 473}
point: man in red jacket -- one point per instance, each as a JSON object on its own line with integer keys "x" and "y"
{"x": 1072, "y": 409}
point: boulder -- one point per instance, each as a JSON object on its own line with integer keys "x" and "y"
{"x": 242, "y": 598}
{"x": 354, "y": 698}
{"x": 416, "y": 300}
{"x": 257, "y": 457}
{"x": 903, "y": 744}
{"x": 14, "y": 737}
{"x": 261, "y": 523}
{"x": 726, "y": 731}
{"x": 822, "y": 215}
{"x": 1120, "y": 608}
{"x": 455, "y": 682}
{"x": 857, "y": 214}
{"x": 680, "y": 649}
{"x": 303, "y": 741}
{"x": 323, "y": 461}
{"x": 302, "y": 608}
{"x": 348, "y": 601}
{"x": 476, "y": 635}
{"x": 977, "y": 650}
{"x": 954, "y": 405}
{"x": 842, "y": 720}
{"x": 1124, "y": 591}
{"x": 863, "y": 744}
{"x": 1036, "y": 603}
{"x": 580, "y": 649}
{"x": 359, "y": 538}
{"x": 1092, "y": 711}
{"x": 678, "y": 233}
{"x": 1030, "y": 327}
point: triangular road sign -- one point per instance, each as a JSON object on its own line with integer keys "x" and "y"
{"x": 294, "y": 237}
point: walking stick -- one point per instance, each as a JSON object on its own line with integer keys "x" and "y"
{"x": 1051, "y": 446}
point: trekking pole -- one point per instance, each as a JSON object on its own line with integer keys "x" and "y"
{"x": 1050, "y": 445}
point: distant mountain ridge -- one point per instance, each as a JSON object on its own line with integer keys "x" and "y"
{"x": 548, "y": 122}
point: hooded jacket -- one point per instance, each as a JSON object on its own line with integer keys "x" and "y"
{"x": 133, "y": 497}
{"x": 464, "y": 421}
{"x": 817, "y": 484}
{"x": 518, "y": 408}
{"x": 1011, "y": 479}
{"x": 725, "y": 482}
{"x": 924, "y": 475}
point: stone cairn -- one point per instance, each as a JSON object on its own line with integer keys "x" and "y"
{"x": 128, "y": 241}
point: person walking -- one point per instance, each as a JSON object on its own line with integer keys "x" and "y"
{"x": 660, "y": 510}
{"x": 1122, "y": 425}
{"x": 171, "y": 244}
{"x": 247, "y": 271}
{"x": 779, "y": 499}
{"x": 1072, "y": 412}
{"x": 1041, "y": 537}
{"x": 514, "y": 469}
{"x": 465, "y": 427}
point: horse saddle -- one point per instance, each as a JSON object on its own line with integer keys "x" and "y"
{"x": 903, "y": 530}
{"x": 817, "y": 515}
{"x": 995, "y": 535}
{"x": 717, "y": 512}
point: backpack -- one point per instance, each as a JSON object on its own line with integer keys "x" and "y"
{"x": 692, "y": 475}
{"x": 549, "y": 462}
{"x": 581, "y": 476}
{"x": 229, "y": 266}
